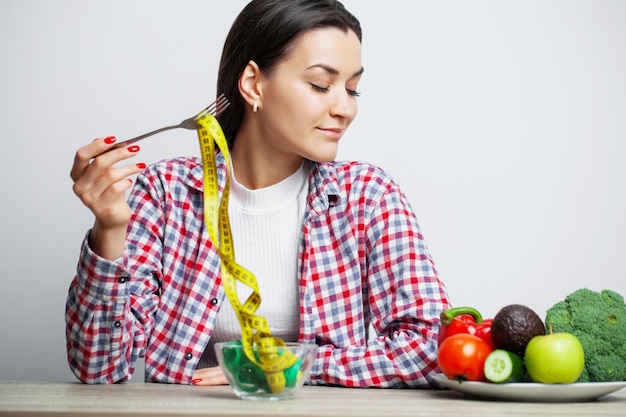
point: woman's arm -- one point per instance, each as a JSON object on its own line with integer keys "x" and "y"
{"x": 111, "y": 303}
{"x": 401, "y": 295}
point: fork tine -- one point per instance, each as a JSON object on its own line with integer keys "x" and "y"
{"x": 211, "y": 108}
{"x": 222, "y": 106}
{"x": 215, "y": 108}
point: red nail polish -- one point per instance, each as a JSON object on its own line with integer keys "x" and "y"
{"x": 141, "y": 165}
{"x": 196, "y": 381}
{"x": 109, "y": 140}
{"x": 133, "y": 148}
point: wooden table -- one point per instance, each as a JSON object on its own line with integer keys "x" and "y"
{"x": 25, "y": 399}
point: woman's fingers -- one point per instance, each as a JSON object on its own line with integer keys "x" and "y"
{"x": 91, "y": 159}
{"x": 100, "y": 181}
{"x": 100, "y": 184}
{"x": 209, "y": 376}
{"x": 93, "y": 166}
{"x": 84, "y": 155}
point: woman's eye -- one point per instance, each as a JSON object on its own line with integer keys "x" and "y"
{"x": 319, "y": 89}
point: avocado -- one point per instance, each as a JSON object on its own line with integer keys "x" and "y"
{"x": 513, "y": 327}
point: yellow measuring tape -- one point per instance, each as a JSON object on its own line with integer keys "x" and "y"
{"x": 255, "y": 332}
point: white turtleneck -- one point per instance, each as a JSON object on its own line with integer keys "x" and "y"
{"x": 266, "y": 225}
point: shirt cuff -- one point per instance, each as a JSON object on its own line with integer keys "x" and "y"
{"x": 106, "y": 280}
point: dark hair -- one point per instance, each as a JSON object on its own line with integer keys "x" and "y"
{"x": 263, "y": 32}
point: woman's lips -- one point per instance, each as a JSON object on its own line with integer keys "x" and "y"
{"x": 333, "y": 133}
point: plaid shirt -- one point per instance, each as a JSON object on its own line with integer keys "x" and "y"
{"x": 369, "y": 293}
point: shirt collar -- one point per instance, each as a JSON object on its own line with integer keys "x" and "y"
{"x": 323, "y": 191}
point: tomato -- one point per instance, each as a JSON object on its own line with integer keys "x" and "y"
{"x": 462, "y": 357}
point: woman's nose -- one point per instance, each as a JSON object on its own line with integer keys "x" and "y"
{"x": 343, "y": 105}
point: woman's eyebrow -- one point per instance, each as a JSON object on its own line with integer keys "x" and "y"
{"x": 334, "y": 71}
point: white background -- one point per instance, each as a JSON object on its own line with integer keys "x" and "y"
{"x": 503, "y": 121}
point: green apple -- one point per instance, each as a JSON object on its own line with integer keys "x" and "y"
{"x": 554, "y": 358}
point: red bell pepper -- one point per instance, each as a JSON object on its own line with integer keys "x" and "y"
{"x": 464, "y": 320}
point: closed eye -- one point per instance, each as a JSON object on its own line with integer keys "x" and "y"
{"x": 319, "y": 89}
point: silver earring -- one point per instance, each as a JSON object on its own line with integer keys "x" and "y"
{"x": 255, "y": 106}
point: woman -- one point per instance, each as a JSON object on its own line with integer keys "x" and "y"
{"x": 360, "y": 282}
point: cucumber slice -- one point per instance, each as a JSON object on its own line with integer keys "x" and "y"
{"x": 503, "y": 366}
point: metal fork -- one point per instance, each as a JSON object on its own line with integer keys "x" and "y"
{"x": 216, "y": 108}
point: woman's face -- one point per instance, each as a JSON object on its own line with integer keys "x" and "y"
{"x": 310, "y": 98}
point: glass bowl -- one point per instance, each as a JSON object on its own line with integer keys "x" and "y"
{"x": 291, "y": 368}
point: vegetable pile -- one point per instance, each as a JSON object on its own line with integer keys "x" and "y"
{"x": 582, "y": 339}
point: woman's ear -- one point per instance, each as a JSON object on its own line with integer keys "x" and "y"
{"x": 250, "y": 85}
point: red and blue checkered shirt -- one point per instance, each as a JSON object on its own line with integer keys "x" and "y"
{"x": 369, "y": 293}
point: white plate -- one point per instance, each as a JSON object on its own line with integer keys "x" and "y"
{"x": 527, "y": 391}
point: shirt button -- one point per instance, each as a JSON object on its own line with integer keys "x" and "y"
{"x": 122, "y": 280}
{"x": 188, "y": 356}
{"x": 213, "y": 301}
{"x": 117, "y": 324}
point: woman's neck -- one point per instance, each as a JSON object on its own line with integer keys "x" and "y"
{"x": 257, "y": 165}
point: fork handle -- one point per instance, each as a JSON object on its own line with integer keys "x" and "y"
{"x": 145, "y": 135}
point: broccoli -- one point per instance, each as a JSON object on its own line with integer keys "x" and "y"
{"x": 598, "y": 320}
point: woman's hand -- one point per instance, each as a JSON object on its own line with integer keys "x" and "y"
{"x": 209, "y": 376}
{"x": 101, "y": 187}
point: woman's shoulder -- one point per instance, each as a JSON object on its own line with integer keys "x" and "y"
{"x": 185, "y": 163}
{"x": 185, "y": 169}
{"x": 355, "y": 180}
{"x": 356, "y": 171}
